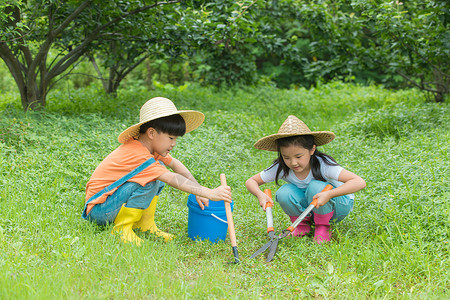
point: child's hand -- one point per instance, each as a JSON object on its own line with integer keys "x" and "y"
{"x": 202, "y": 202}
{"x": 322, "y": 198}
{"x": 220, "y": 193}
{"x": 263, "y": 199}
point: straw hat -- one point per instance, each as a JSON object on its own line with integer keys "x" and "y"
{"x": 161, "y": 107}
{"x": 291, "y": 127}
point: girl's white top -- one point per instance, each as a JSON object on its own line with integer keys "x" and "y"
{"x": 330, "y": 173}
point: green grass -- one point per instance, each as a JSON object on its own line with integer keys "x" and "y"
{"x": 395, "y": 243}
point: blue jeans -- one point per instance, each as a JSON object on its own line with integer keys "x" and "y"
{"x": 131, "y": 194}
{"x": 294, "y": 201}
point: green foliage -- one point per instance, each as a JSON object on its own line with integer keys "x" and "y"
{"x": 11, "y": 29}
{"x": 287, "y": 43}
{"x": 281, "y": 45}
{"x": 409, "y": 38}
{"x": 72, "y": 29}
{"x": 159, "y": 34}
{"x": 221, "y": 32}
{"x": 226, "y": 67}
{"x": 399, "y": 121}
{"x": 394, "y": 244}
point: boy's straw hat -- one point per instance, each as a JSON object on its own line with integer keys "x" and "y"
{"x": 291, "y": 127}
{"x": 161, "y": 107}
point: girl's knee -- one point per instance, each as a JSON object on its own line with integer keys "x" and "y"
{"x": 290, "y": 195}
{"x": 325, "y": 209}
{"x": 291, "y": 199}
{"x": 285, "y": 192}
{"x": 315, "y": 187}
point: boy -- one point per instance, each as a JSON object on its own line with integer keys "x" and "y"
{"x": 142, "y": 157}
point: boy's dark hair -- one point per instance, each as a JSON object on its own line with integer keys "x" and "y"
{"x": 172, "y": 125}
{"x": 307, "y": 142}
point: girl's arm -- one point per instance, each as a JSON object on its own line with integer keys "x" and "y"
{"x": 186, "y": 185}
{"x": 352, "y": 184}
{"x": 178, "y": 167}
{"x": 252, "y": 184}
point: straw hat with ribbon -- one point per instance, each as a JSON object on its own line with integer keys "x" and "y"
{"x": 161, "y": 107}
{"x": 291, "y": 127}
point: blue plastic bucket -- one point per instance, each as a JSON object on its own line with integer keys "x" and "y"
{"x": 208, "y": 224}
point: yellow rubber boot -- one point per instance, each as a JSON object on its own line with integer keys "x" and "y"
{"x": 124, "y": 222}
{"x": 147, "y": 222}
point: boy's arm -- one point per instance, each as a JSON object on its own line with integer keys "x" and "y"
{"x": 182, "y": 183}
{"x": 178, "y": 167}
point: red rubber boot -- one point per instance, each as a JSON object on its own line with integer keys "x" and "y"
{"x": 322, "y": 233}
{"x": 303, "y": 228}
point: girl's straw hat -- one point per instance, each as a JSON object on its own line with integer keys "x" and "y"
{"x": 161, "y": 107}
{"x": 291, "y": 127}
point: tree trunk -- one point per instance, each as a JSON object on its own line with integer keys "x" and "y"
{"x": 442, "y": 86}
{"x": 32, "y": 97}
{"x": 99, "y": 73}
{"x": 111, "y": 81}
{"x": 25, "y": 68}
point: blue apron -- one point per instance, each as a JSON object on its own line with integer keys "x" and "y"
{"x": 118, "y": 183}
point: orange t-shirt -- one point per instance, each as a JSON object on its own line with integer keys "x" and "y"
{"x": 119, "y": 163}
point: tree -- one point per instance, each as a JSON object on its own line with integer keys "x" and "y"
{"x": 222, "y": 35}
{"x": 31, "y": 30}
{"x": 159, "y": 34}
{"x": 211, "y": 33}
{"x": 410, "y": 39}
{"x": 281, "y": 43}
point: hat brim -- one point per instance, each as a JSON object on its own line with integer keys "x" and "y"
{"x": 192, "y": 118}
{"x": 269, "y": 143}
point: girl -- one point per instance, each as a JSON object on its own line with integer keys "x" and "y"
{"x": 306, "y": 171}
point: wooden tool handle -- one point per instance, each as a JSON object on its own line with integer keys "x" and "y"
{"x": 223, "y": 181}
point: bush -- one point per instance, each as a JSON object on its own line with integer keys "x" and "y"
{"x": 399, "y": 121}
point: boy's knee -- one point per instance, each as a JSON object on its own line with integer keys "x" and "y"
{"x": 143, "y": 196}
{"x": 153, "y": 186}
{"x": 161, "y": 186}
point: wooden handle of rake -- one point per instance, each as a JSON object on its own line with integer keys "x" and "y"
{"x": 223, "y": 181}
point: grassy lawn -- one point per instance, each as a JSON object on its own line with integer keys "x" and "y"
{"x": 395, "y": 243}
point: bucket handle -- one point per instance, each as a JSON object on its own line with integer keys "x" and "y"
{"x": 221, "y": 220}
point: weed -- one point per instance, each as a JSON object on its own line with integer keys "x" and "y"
{"x": 395, "y": 243}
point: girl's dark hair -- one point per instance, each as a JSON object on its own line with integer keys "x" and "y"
{"x": 307, "y": 142}
{"x": 172, "y": 125}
